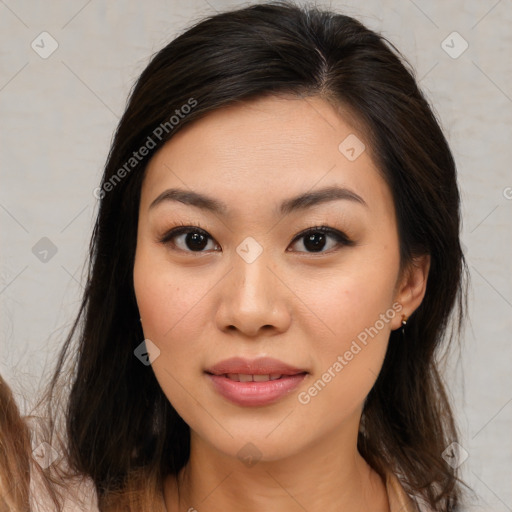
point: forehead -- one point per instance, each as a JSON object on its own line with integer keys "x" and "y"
{"x": 263, "y": 151}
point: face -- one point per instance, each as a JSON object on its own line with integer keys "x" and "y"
{"x": 314, "y": 284}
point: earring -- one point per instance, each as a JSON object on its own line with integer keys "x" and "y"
{"x": 404, "y": 323}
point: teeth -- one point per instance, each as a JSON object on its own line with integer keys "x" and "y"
{"x": 243, "y": 377}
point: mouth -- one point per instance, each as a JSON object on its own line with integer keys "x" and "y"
{"x": 258, "y": 382}
{"x": 255, "y": 390}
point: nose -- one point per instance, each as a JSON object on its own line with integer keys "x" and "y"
{"x": 254, "y": 301}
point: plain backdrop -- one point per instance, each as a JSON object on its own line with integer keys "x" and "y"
{"x": 58, "y": 112}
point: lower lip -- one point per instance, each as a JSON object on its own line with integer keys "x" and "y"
{"x": 255, "y": 393}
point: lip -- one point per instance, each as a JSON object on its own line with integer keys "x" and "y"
{"x": 255, "y": 393}
{"x": 259, "y": 366}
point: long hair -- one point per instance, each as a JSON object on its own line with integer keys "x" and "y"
{"x": 120, "y": 428}
{"x": 14, "y": 454}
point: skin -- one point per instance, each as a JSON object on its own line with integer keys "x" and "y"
{"x": 299, "y": 306}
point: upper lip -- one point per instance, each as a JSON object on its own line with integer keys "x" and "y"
{"x": 259, "y": 366}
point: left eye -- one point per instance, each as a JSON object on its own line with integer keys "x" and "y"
{"x": 314, "y": 239}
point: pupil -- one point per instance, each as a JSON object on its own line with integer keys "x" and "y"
{"x": 196, "y": 241}
{"x": 317, "y": 241}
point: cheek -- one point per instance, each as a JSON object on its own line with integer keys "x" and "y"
{"x": 350, "y": 300}
{"x": 170, "y": 306}
{"x": 355, "y": 307}
{"x": 168, "y": 300}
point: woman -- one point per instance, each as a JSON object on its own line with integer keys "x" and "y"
{"x": 274, "y": 266}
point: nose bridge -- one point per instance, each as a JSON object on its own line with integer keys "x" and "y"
{"x": 252, "y": 298}
{"x": 251, "y": 274}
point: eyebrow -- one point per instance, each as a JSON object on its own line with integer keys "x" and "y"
{"x": 300, "y": 202}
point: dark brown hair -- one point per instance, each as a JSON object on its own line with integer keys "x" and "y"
{"x": 118, "y": 421}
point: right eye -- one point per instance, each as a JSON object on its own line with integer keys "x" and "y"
{"x": 187, "y": 239}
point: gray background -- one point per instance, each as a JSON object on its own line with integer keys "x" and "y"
{"x": 57, "y": 119}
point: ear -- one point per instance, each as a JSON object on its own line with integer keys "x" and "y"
{"x": 411, "y": 288}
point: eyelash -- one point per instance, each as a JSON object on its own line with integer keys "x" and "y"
{"x": 340, "y": 237}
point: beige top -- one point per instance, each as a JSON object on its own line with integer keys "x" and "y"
{"x": 82, "y": 498}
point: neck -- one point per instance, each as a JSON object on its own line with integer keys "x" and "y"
{"x": 318, "y": 478}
